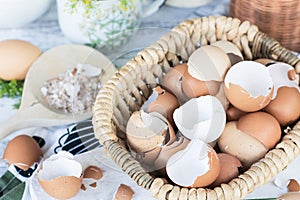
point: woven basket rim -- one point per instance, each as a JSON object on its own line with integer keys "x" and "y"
{"x": 259, "y": 173}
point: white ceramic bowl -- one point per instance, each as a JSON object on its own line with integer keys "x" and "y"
{"x": 17, "y": 13}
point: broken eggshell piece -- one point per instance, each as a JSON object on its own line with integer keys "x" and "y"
{"x": 203, "y": 117}
{"x": 196, "y": 166}
{"x": 60, "y": 175}
{"x": 248, "y": 86}
{"x": 233, "y": 53}
{"x": 208, "y": 63}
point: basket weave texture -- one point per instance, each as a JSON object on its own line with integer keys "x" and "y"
{"x": 129, "y": 88}
{"x": 279, "y": 19}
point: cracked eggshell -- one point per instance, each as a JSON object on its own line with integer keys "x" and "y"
{"x": 124, "y": 192}
{"x": 147, "y": 133}
{"x": 265, "y": 61}
{"x": 196, "y": 166}
{"x": 203, "y": 117}
{"x": 232, "y": 51}
{"x": 22, "y": 151}
{"x": 164, "y": 103}
{"x": 193, "y": 87}
{"x": 249, "y": 86}
{"x": 234, "y": 114}
{"x": 60, "y": 176}
{"x": 290, "y": 196}
{"x": 208, "y": 63}
{"x": 172, "y": 81}
{"x": 241, "y": 145}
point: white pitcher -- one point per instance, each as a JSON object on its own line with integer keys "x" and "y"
{"x": 104, "y": 24}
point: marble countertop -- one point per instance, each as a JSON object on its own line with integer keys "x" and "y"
{"x": 45, "y": 33}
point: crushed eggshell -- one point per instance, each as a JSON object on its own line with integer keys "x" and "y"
{"x": 203, "y": 117}
{"x": 294, "y": 186}
{"x": 93, "y": 172}
{"x": 60, "y": 175}
{"x": 124, "y": 192}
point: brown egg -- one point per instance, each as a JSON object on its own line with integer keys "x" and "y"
{"x": 286, "y": 105}
{"x": 232, "y": 51}
{"x": 22, "y": 151}
{"x": 165, "y": 104}
{"x": 262, "y": 126}
{"x": 16, "y": 56}
{"x": 229, "y": 169}
{"x": 193, "y": 87}
{"x": 60, "y": 176}
{"x": 172, "y": 81}
{"x": 245, "y": 147}
{"x": 124, "y": 192}
{"x": 233, "y": 114}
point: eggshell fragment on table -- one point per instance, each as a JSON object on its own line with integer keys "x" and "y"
{"x": 232, "y": 51}
{"x": 203, "y": 117}
{"x": 22, "y": 151}
{"x": 249, "y": 86}
{"x": 208, "y": 63}
{"x": 290, "y": 196}
{"x": 16, "y": 57}
{"x": 60, "y": 175}
{"x": 196, "y": 166}
{"x": 124, "y": 192}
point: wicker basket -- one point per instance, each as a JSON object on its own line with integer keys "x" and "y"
{"x": 127, "y": 90}
{"x": 279, "y": 19}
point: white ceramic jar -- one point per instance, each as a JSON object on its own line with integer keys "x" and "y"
{"x": 106, "y": 24}
{"x": 17, "y": 13}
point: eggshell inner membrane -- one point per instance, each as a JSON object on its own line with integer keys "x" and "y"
{"x": 203, "y": 117}
{"x": 208, "y": 63}
{"x": 280, "y": 76}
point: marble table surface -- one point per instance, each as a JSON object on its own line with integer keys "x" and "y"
{"x": 45, "y": 33}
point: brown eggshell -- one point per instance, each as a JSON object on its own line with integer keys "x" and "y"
{"x": 242, "y": 100}
{"x": 16, "y": 56}
{"x": 165, "y": 104}
{"x": 233, "y": 53}
{"x": 57, "y": 186}
{"x": 208, "y": 63}
{"x": 294, "y": 186}
{"x": 22, "y": 151}
{"x": 229, "y": 169}
{"x": 285, "y": 107}
{"x": 222, "y": 96}
{"x": 193, "y": 87}
{"x": 290, "y": 196}
{"x": 241, "y": 145}
{"x": 262, "y": 126}
{"x": 172, "y": 82}
{"x": 124, "y": 192}
{"x": 265, "y": 61}
{"x": 93, "y": 172}
{"x": 233, "y": 114}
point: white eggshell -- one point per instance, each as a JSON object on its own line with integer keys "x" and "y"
{"x": 203, "y": 117}
{"x": 279, "y": 73}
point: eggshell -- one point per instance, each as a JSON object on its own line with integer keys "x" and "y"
{"x": 262, "y": 126}
{"x": 265, "y": 61}
{"x": 294, "y": 186}
{"x": 248, "y": 86}
{"x": 233, "y": 114}
{"x": 16, "y": 56}
{"x": 241, "y": 145}
{"x": 60, "y": 176}
{"x": 172, "y": 81}
{"x": 208, "y": 63}
{"x": 283, "y": 75}
{"x": 93, "y": 172}
{"x": 124, "y": 192}
{"x": 222, "y": 96}
{"x": 196, "y": 166}
{"x": 193, "y": 87}
{"x": 22, "y": 151}
{"x": 290, "y": 196}
{"x": 203, "y": 117}
{"x": 229, "y": 169}
{"x": 233, "y": 53}
{"x": 285, "y": 107}
{"x": 165, "y": 103}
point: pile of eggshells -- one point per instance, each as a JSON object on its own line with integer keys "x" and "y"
{"x": 213, "y": 117}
